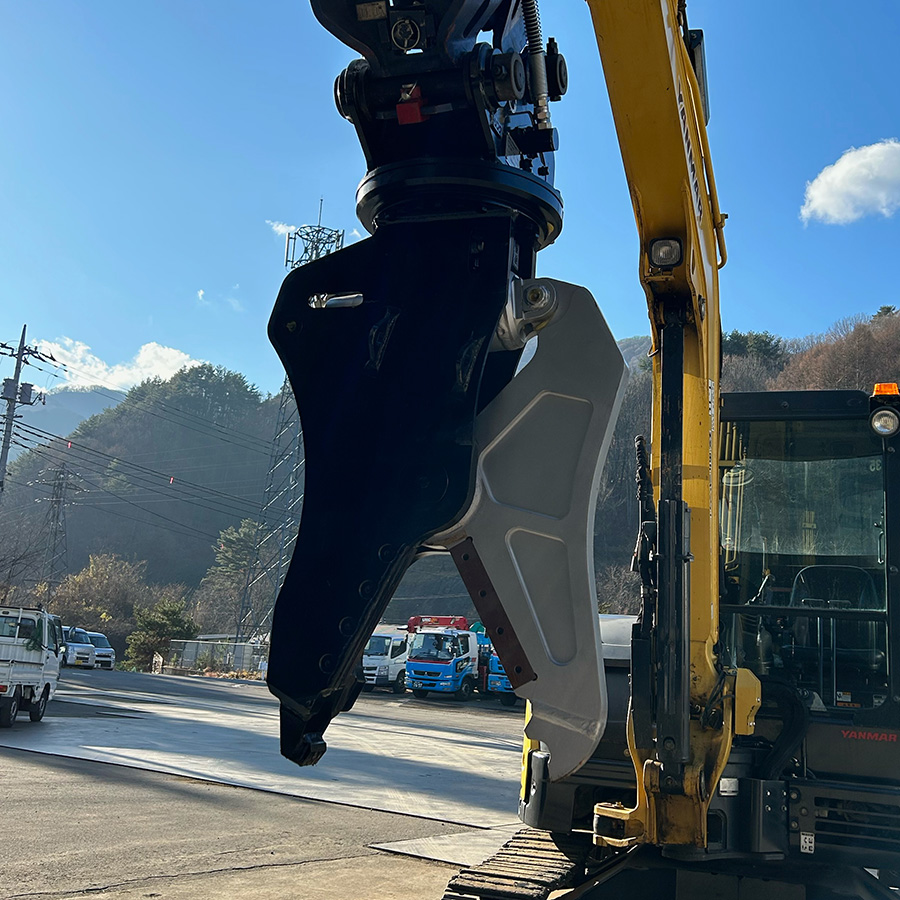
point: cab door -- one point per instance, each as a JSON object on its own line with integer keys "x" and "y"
{"x": 52, "y": 648}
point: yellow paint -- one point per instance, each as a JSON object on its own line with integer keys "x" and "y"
{"x": 662, "y": 137}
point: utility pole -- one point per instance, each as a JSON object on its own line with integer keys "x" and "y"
{"x": 16, "y": 395}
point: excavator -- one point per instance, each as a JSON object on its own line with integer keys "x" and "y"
{"x": 739, "y": 739}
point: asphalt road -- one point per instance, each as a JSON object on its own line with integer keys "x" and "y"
{"x": 151, "y": 786}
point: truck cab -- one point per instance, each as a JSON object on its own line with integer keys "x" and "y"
{"x": 384, "y": 661}
{"x": 444, "y": 656}
{"x": 498, "y": 682}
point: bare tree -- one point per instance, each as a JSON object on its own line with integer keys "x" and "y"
{"x": 618, "y": 590}
{"x": 21, "y": 556}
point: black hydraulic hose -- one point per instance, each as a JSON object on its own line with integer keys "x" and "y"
{"x": 795, "y": 719}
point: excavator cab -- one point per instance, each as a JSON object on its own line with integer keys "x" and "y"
{"x": 809, "y": 518}
{"x": 809, "y": 514}
{"x": 803, "y": 520}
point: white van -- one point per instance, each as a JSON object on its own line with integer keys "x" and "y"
{"x": 30, "y": 650}
{"x": 384, "y": 661}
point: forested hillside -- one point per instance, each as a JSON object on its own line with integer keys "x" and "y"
{"x": 153, "y": 504}
{"x": 152, "y": 480}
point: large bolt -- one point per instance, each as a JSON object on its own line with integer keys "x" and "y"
{"x": 508, "y": 74}
{"x": 405, "y": 34}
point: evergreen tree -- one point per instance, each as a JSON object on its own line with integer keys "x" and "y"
{"x": 167, "y": 620}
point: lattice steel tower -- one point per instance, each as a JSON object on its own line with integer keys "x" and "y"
{"x": 279, "y": 517}
{"x": 56, "y": 561}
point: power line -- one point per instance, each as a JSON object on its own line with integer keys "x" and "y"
{"x": 179, "y": 529}
{"x": 150, "y": 512}
{"x": 168, "y": 491}
{"x": 141, "y": 471}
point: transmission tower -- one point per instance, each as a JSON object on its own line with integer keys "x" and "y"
{"x": 56, "y": 562}
{"x": 278, "y": 522}
{"x": 279, "y": 517}
{"x": 312, "y": 241}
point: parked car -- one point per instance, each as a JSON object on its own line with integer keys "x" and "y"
{"x": 80, "y": 651}
{"x": 103, "y": 650}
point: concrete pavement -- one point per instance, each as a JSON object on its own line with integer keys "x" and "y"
{"x": 153, "y": 786}
{"x": 116, "y": 833}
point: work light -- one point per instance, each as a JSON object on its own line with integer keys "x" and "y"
{"x": 885, "y": 422}
{"x": 665, "y": 253}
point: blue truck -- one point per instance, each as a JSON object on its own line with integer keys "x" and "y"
{"x": 498, "y": 683}
{"x": 448, "y": 657}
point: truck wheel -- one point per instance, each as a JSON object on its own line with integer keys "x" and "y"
{"x": 39, "y": 706}
{"x": 466, "y": 689}
{"x": 9, "y": 709}
{"x": 418, "y": 692}
{"x": 508, "y": 699}
{"x": 399, "y": 685}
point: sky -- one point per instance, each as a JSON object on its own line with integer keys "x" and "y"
{"x": 153, "y": 154}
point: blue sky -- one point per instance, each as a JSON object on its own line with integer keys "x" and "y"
{"x": 147, "y": 147}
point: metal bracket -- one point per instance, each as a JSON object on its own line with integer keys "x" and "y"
{"x": 541, "y": 444}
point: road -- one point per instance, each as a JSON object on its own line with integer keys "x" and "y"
{"x": 158, "y": 786}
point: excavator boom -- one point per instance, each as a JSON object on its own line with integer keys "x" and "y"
{"x": 655, "y": 75}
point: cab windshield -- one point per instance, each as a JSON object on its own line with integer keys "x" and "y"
{"x": 377, "y": 646}
{"x": 436, "y": 647}
{"x": 802, "y": 532}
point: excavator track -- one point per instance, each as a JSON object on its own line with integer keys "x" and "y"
{"x": 528, "y": 867}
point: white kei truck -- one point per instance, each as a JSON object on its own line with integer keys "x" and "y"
{"x": 30, "y": 647}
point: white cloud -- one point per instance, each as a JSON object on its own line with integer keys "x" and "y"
{"x": 356, "y": 234}
{"x": 85, "y": 368}
{"x": 280, "y": 227}
{"x": 865, "y": 181}
{"x": 229, "y": 300}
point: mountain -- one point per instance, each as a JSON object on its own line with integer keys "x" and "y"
{"x": 634, "y": 349}
{"x": 65, "y": 409}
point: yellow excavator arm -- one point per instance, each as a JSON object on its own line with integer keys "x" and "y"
{"x": 682, "y": 720}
